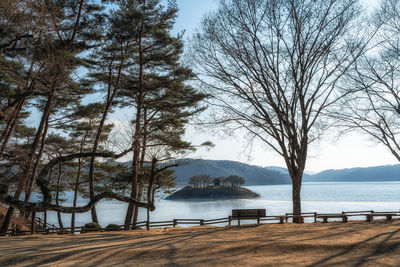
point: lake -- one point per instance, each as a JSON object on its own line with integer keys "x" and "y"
{"x": 276, "y": 199}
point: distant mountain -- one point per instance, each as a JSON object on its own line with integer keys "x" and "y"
{"x": 285, "y": 171}
{"x": 278, "y": 169}
{"x": 253, "y": 175}
{"x": 369, "y": 174}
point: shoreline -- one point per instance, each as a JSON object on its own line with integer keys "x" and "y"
{"x": 319, "y": 244}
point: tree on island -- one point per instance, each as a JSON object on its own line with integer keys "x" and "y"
{"x": 204, "y": 180}
{"x": 201, "y": 180}
{"x": 273, "y": 67}
{"x": 235, "y": 180}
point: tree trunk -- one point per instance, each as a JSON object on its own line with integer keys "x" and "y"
{"x": 15, "y": 117}
{"x": 136, "y": 139}
{"x": 60, "y": 223}
{"x": 135, "y": 165}
{"x": 45, "y": 218}
{"x": 296, "y": 190}
{"x": 10, "y": 127}
{"x": 28, "y": 190}
{"x": 110, "y": 98}
{"x": 28, "y": 168}
{"x": 150, "y": 189}
{"x": 141, "y": 163}
{"x": 76, "y": 187}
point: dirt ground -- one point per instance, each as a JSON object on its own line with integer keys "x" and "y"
{"x": 343, "y": 244}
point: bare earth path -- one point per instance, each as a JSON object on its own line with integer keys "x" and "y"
{"x": 349, "y": 244}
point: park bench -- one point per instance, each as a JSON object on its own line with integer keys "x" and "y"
{"x": 388, "y": 215}
{"x": 245, "y": 214}
{"x": 325, "y": 217}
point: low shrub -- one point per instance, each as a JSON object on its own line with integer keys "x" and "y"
{"x": 113, "y": 227}
{"x": 91, "y": 227}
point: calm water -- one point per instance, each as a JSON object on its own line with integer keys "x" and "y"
{"x": 276, "y": 199}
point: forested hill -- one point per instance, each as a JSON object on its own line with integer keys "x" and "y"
{"x": 370, "y": 174}
{"x": 253, "y": 175}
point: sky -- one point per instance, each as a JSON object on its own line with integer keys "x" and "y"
{"x": 352, "y": 150}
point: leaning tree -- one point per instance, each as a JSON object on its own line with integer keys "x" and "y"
{"x": 272, "y": 67}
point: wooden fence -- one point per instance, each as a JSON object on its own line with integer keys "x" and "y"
{"x": 40, "y": 227}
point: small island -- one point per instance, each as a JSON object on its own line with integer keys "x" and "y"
{"x": 199, "y": 188}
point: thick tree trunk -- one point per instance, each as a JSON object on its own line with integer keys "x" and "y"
{"x": 296, "y": 190}
{"x": 29, "y": 165}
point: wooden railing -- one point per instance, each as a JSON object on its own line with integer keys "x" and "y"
{"x": 344, "y": 216}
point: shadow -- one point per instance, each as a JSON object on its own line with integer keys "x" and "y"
{"x": 245, "y": 245}
{"x": 379, "y": 249}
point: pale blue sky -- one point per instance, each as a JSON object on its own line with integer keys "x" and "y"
{"x": 353, "y": 150}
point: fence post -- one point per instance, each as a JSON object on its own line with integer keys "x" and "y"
{"x": 33, "y": 222}
{"x": 201, "y": 222}
{"x": 315, "y": 217}
{"x": 286, "y": 217}
{"x": 175, "y": 223}
{"x": 229, "y": 220}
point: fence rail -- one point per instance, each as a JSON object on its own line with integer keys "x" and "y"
{"x": 41, "y": 227}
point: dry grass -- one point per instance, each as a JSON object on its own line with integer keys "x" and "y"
{"x": 350, "y": 244}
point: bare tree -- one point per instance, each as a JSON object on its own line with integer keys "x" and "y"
{"x": 235, "y": 180}
{"x": 272, "y": 67}
{"x": 201, "y": 180}
{"x": 374, "y": 105}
